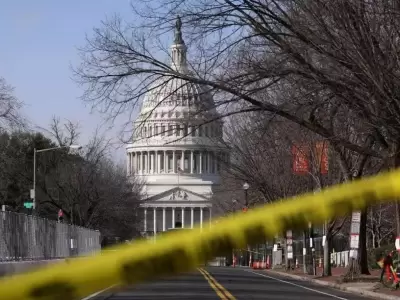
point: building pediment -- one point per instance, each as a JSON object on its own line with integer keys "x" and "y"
{"x": 177, "y": 194}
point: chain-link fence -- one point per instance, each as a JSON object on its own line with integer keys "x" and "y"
{"x": 25, "y": 237}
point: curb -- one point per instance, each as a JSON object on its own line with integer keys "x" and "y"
{"x": 336, "y": 286}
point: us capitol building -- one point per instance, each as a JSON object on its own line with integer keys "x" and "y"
{"x": 178, "y": 159}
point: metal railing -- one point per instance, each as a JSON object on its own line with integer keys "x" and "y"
{"x": 26, "y": 237}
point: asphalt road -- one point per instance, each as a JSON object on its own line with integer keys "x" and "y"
{"x": 227, "y": 284}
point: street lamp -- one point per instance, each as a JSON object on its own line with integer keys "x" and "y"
{"x": 35, "y": 151}
{"x": 246, "y": 187}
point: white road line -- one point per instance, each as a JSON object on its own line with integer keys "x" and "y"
{"x": 298, "y": 285}
{"x": 98, "y": 293}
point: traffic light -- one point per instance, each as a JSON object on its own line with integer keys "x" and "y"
{"x": 28, "y": 204}
{"x": 60, "y": 215}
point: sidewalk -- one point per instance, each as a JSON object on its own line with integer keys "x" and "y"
{"x": 368, "y": 285}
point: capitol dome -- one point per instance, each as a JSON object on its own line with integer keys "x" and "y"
{"x": 177, "y": 149}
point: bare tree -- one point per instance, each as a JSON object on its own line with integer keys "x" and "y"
{"x": 89, "y": 187}
{"x": 10, "y": 114}
{"x": 380, "y": 222}
{"x": 332, "y": 69}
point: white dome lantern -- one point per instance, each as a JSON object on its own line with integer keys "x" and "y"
{"x": 176, "y": 149}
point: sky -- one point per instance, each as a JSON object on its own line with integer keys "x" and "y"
{"x": 39, "y": 41}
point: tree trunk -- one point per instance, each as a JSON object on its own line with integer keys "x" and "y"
{"x": 360, "y": 265}
{"x": 327, "y": 254}
{"x": 373, "y": 240}
{"x": 363, "y": 244}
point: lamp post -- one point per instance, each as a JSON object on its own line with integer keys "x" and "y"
{"x": 246, "y": 203}
{"x": 246, "y": 187}
{"x": 35, "y": 151}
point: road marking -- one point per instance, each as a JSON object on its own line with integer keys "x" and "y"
{"x": 98, "y": 293}
{"x": 221, "y": 288}
{"x": 217, "y": 291}
{"x": 218, "y": 288}
{"x": 298, "y": 285}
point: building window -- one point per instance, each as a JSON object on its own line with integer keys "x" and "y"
{"x": 206, "y": 131}
{"x": 162, "y": 130}
{"x": 200, "y": 131}
{"x": 185, "y": 129}
{"x": 155, "y": 130}
{"x": 170, "y": 130}
{"x": 193, "y": 130}
{"x": 180, "y": 132}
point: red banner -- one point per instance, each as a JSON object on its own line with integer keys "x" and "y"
{"x": 301, "y": 164}
{"x": 322, "y": 156}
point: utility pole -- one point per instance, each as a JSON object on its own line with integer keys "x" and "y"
{"x": 246, "y": 203}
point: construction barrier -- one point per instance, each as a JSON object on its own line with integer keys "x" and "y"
{"x": 185, "y": 251}
{"x": 257, "y": 265}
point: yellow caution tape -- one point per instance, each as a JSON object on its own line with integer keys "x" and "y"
{"x": 186, "y": 250}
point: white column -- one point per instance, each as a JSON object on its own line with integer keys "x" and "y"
{"x": 144, "y": 162}
{"x": 191, "y": 161}
{"x": 183, "y": 161}
{"x": 133, "y": 162}
{"x": 208, "y": 162}
{"x": 215, "y": 162}
{"x": 191, "y": 217}
{"x": 163, "y": 219}
{"x": 201, "y": 162}
{"x": 201, "y": 217}
{"x": 210, "y": 215}
{"x": 174, "y": 161}
{"x": 141, "y": 162}
{"x": 155, "y": 220}
{"x": 148, "y": 162}
{"x": 158, "y": 162}
{"x": 183, "y": 217}
{"x": 128, "y": 164}
{"x": 165, "y": 161}
{"x": 137, "y": 162}
{"x": 145, "y": 219}
{"x": 173, "y": 217}
{"x": 153, "y": 162}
